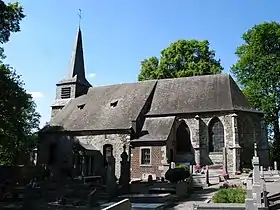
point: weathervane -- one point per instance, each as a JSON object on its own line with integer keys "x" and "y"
{"x": 80, "y": 16}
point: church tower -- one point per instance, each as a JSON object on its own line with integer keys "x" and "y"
{"x": 75, "y": 84}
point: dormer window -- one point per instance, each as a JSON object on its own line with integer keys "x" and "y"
{"x": 65, "y": 92}
{"x": 81, "y": 106}
{"x": 114, "y": 104}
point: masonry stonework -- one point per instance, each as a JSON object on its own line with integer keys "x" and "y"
{"x": 116, "y": 140}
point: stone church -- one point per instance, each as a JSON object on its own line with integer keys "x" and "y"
{"x": 183, "y": 120}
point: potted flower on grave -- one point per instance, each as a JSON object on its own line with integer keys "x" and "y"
{"x": 197, "y": 168}
{"x": 225, "y": 175}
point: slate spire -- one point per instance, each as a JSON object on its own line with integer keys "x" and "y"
{"x": 77, "y": 61}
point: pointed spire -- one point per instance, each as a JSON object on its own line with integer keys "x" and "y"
{"x": 77, "y": 62}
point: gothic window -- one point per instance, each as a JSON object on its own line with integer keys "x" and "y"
{"x": 216, "y": 135}
{"x": 145, "y": 156}
{"x": 107, "y": 150}
{"x": 65, "y": 92}
{"x": 183, "y": 138}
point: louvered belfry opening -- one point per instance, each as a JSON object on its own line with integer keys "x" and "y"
{"x": 65, "y": 92}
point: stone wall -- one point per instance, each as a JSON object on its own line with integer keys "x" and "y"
{"x": 199, "y": 133}
{"x": 63, "y": 154}
{"x": 200, "y": 136}
{"x": 252, "y": 131}
{"x": 116, "y": 140}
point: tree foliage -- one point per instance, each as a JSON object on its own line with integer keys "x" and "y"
{"x": 10, "y": 16}
{"x": 258, "y": 72}
{"x": 18, "y": 117}
{"x": 182, "y": 58}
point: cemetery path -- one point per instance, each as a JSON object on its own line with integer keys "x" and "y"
{"x": 202, "y": 196}
{"x": 196, "y": 197}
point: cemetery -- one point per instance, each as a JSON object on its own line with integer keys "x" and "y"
{"x": 192, "y": 141}
{"x": 250, "y": 191}
{"x": 146, "y": 151}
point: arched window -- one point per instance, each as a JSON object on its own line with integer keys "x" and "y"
{"x": 216, "y": 135}
{"x": 183, "y": 139}
{"x": 107, "y": 150}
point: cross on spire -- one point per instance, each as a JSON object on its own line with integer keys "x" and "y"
{"x": 80, "y": 16}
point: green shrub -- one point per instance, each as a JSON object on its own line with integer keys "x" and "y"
{"x": 246, "y": 170}
{"x": 229, "y": 195}
{"x": 179, "y": 173}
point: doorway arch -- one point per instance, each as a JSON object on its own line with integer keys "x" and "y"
{"x": 183, "y": 138}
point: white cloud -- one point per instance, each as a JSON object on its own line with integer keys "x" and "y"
{"x": 91, "y": 75}
{"x": 36, "y": 95}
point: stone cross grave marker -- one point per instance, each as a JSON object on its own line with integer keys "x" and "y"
{"x": 256, "y": 188}
{"x": 125, "y": 171}
{"x": 111, "y": 185}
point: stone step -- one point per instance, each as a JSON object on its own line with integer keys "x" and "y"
{"x": 162, "y": 190}
{"x": 148, "y": 198}
{"x": 143, "y": 206}
{"x": 138, "y": 206}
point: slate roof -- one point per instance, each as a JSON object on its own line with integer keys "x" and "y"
{"x": 97, "y": 110}
{"x": 156, "y": 129}
{"x": 198, "y": 94}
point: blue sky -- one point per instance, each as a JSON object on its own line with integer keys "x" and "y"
{"x": 118, "y": 34}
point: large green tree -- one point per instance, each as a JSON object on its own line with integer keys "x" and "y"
{"x": 182, "y": 58}
{"x": 258, "y": 72}
{"x": 18, "y": 117}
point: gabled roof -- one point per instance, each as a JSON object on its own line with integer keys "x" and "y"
{"x": 156, "y": 129}
{"x": 198, "y": 94}
{"x": 105, "y": 108}
{"x": 116, "y": 106}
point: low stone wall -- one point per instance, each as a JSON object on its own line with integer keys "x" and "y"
{"x": 216, "y": 157}
{"x": 17, "y": 173}
{"x": 219, "y": 206}
{"x": 140, "y": 187}
{"x": 182, "y": 188}
{"x": 223, "y": 206}
{"x": 122, "y": 205}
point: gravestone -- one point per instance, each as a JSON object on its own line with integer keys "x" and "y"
{"x": 172, "y": 165}
{"x": 265, "y": 199}
{"x": 111, "y": 185}
{"x": 125, "y": 171}
{"x": 207, "y": 176}
{"x": 269, "y": 170}
{"x": 249, "y": 202}
{"x": 262, "y": 173}
{"x": 256, "y": 188}
{"x": 275, "y": 166}
{"x": 92, "y": 198}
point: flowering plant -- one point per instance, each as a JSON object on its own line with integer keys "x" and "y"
{"x": 225, "y": 175}
{"x": 197, "y": 168}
